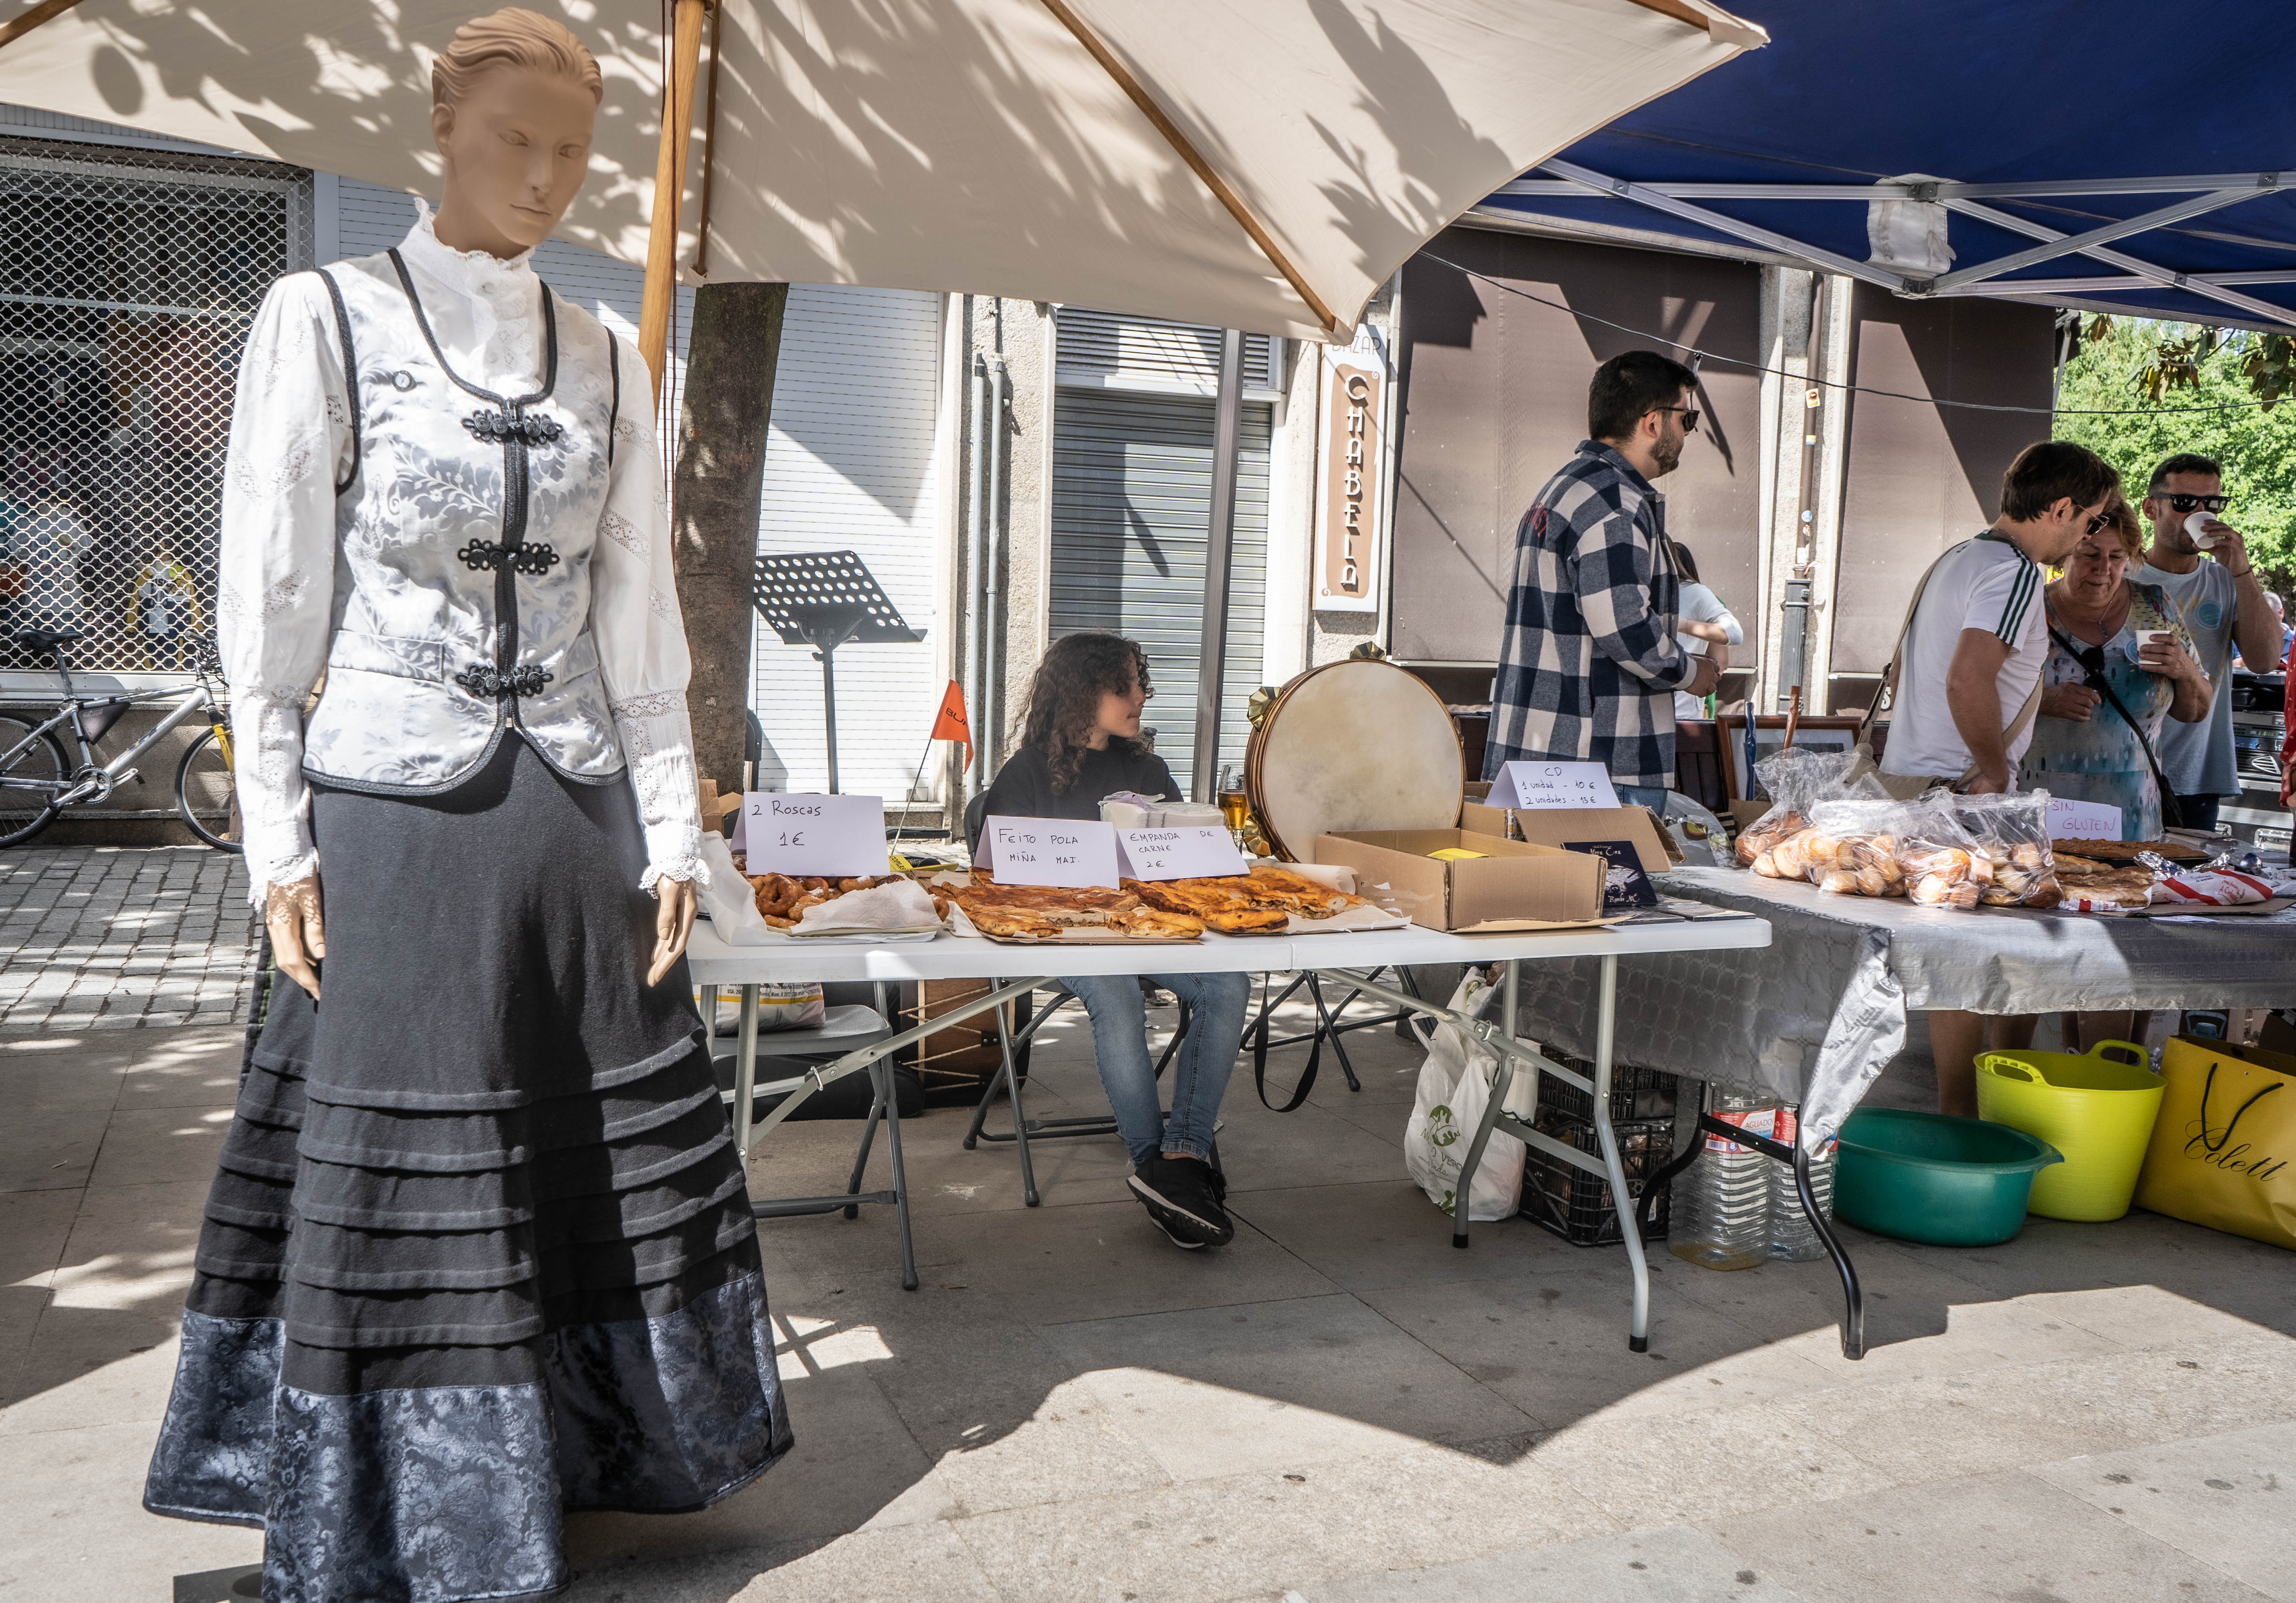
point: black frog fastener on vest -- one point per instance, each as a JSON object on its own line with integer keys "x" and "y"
{"x": 534, "y": 560}
{"x": 484, "y": 680}
{"x": 496, "y": 427}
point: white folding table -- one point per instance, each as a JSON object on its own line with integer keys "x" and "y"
{"x": 1346, "y": 957}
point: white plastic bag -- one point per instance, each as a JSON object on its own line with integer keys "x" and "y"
{"x": 727, "y": 899}
{"x": 1455, "y": 1087}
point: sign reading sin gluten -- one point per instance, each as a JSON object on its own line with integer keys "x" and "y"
{"x": 1348, "y": 509}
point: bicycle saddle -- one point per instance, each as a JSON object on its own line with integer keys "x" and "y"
{"x": 42, "y": 640}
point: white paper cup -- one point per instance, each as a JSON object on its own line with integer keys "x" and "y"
{"x": 2163, "y": 638}
{"x": 2194, "y": 526}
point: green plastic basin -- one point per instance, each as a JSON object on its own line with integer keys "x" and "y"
{"x": 1929, "y": 1178}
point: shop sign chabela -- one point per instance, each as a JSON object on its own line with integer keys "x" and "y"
{"x": 1348, "y": 498}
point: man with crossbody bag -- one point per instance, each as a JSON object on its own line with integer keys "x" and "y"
{"x": 1966, "y": 678}
{"x": 1965, "y": 681}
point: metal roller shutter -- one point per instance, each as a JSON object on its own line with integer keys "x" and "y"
{"x": 850, "y": 466}
{"x": 1131, "y": 508}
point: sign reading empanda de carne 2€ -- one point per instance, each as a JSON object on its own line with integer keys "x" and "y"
{"x": 1349, "y": 497}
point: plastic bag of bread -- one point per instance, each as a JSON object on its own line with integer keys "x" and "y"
{"x": 1851, "y": 848}
{"x": 2011, "y": 836}
{"x": 1796, "y": 780}
{"x": 1940, "y": 859}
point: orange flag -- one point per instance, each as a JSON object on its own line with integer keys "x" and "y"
{"x": 951, "y": 724}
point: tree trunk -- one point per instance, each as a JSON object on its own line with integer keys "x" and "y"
{"x": 715, "y": 492}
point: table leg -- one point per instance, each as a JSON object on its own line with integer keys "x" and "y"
{"x": 1502, "y": 1077}
{"x": 1853, "y": 1296}
{"x": 1330, "y": 1028}
{"x": 890, "y": 1090}
{"x": 1605, "y": 1028}
{"x": 1020, "y": 1114}
{"x": 878, "y": 1072}
{"x": 745, "y": 1073}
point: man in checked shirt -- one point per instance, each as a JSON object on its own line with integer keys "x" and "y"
{"x": 1589, "y": 665}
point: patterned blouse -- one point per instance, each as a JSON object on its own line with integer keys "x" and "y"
{"x": 2101, "y": 760}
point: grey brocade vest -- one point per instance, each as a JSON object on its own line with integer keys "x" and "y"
{"x": 464, "y": 540}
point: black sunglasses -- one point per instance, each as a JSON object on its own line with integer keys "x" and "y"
{"x": 1689, "y": 416}
{"x": 2192, "y": 503}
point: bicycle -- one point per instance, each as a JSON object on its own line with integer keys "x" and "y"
{"x": 37, "y": 784}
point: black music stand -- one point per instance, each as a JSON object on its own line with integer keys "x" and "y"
{"x": 827, "y": 599}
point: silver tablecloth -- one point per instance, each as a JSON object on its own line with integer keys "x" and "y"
{"x": 1817, "y": 1015}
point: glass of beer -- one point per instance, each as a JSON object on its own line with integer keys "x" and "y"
{"x": 1232, "y": 807}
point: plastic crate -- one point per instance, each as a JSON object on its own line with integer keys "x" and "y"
{"x": 1570, "y": 1202}
{"x": 1635, "y": 1094}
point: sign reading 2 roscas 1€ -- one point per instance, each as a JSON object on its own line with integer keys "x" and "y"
{"x": 1350, "y": 496}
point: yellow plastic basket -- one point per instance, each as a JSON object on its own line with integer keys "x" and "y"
{"x": 2096, "y": 1108}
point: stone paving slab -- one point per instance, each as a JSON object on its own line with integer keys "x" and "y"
{"x": 1067, "y": 1409}
{"x": 97, "y": 937}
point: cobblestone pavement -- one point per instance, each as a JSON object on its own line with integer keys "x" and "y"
{"x": 115, "y": 937}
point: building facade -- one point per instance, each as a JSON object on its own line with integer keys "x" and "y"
{"x": 1011, "y": 472}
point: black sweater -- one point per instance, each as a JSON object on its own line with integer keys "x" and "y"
{"x": 1024, "y": 785}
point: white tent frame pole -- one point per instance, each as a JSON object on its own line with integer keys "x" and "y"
{"x": 1621, "y": 189}
{"x": 2120, "y": 281}
{"x": 1983, "y": 279}
{"x": 2077, "y": 244}
{"x": 2280, "y": 316}
{"x": 1939, "y": 189}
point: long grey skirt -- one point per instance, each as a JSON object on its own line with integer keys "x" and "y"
{"x": 479, "y": 1250}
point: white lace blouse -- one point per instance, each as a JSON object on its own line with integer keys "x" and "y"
{"x": 295, "y": 563}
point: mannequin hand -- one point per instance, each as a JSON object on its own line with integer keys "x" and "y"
{"x": 673, "y": 922}
{"x": 291, "y": 912}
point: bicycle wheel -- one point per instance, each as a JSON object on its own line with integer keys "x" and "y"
{"x": 30, "y": 761}
{"x": 205, "y": 794}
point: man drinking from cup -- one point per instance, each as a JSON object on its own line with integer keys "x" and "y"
{"x": 2219, "y": 602}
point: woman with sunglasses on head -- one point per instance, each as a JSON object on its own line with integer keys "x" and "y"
{"x": 2119, "y": 665}
{"x": 1081, "y": 741}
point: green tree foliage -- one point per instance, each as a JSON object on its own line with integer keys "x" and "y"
{"x": 2163, "y": 369}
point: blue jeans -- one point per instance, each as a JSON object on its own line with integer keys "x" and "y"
{"x": 1120, "y": 1047}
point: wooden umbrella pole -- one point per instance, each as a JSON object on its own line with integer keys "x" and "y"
{"x": 669, "y": 186}
{"x": 16, "y": 27}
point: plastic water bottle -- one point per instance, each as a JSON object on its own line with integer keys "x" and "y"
{"x": 1722, "y": 1205}
{"x": 1792, "y": 1238}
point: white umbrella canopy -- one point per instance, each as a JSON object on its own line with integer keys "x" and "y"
{"x": 1263, "y": 165}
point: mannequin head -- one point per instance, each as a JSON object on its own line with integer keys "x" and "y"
{"x": 513, "y": 100}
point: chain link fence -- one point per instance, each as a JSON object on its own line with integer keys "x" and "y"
{"x": 129, "y": 280}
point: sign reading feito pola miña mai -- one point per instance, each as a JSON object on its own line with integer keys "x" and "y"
{"x": 1349, "y": 499}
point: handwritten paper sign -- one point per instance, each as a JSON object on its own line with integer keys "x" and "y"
{"x": 1560, "y": 784}
{"x": 2070, "y": 820}
{"x": 793, "y": 832}
{"x": 1184, "y": 852}
{"x": 1068, "y": 854}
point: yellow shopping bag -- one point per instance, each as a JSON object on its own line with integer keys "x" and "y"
{"x": 2224, "y": 1149}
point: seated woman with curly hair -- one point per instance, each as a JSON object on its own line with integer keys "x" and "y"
{"x": 1080, "y": 742}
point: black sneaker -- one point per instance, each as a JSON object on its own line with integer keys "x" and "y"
{"x": 1179, "y": 1197}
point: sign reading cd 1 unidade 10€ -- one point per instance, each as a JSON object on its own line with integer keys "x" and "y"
{"x": 1065, "y": 853}
{"x": 792, "y": 832}
{"x": 1558, "y": 785}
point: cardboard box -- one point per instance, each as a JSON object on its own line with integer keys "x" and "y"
{"x": 1514, "y": 886}
{"x": 1558, "y": 826}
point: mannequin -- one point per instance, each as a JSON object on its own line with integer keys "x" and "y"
{"x": 479, "y": 1249}
{"x": 515, "y": 143}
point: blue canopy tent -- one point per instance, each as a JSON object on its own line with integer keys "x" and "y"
{"x": 2107, "y": 155}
